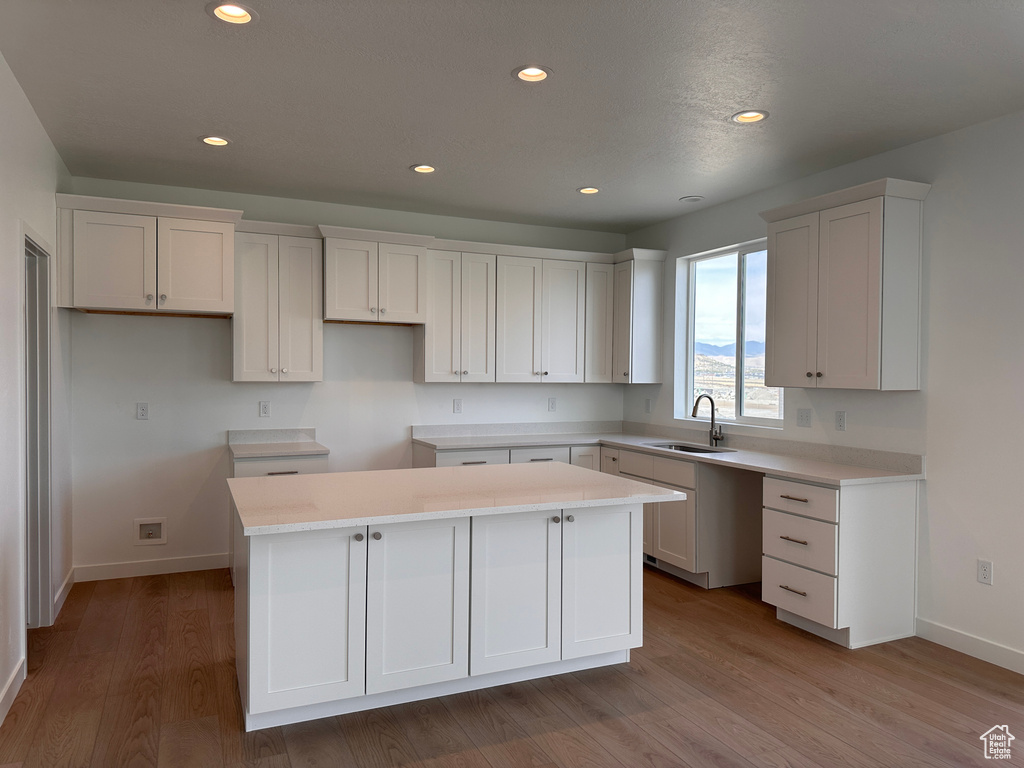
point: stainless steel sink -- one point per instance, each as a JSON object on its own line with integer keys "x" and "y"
{"x": 688, "y": 448}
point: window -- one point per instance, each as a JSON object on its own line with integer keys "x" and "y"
{"x": 725, "y": 324}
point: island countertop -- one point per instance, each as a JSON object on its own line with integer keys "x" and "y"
{"x": 269, "y": 505}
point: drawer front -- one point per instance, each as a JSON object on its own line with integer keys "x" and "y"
{"x": 658, "y": 469}
{"x": 802, "y": 499}
{"x": 470, "y": 458}
{"x": 810, "y": 543}
{"x": 818, "y": 601}
{"x": 282, "y": 465}
{"x": 527, "y": 455}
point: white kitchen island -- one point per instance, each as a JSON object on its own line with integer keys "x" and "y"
{"x": 358, "y": 590}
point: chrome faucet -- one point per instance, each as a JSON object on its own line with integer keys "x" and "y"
{"x": 716, "y": 431}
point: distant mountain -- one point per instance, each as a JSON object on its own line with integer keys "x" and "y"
{"x": 752, "y": 349}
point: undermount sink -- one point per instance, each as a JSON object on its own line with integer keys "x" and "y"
{"x": 687, "y": 448}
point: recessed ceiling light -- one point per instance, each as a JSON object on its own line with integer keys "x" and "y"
{"x": 232, "y": 13}
{"x": 423, "y": 168}
{"x": 532, "y": 74}
{"x": 748, "y": 116}
{"x": 215, "y": 141}
{"x": 588, "y": 190}
{"x": 691, "y": 199}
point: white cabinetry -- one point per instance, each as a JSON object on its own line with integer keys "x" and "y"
{"x": 841, "y": 562}
{"x": 843, "y": 300}
{"x": 278, "y": 325}
{"x": 539, "y": 454}
{"x": 457, "y": 341}
{"x": 587, "y": 456}
{"x": 540, "y": 320}
{"x": 597, "y": 359}
{"x": 374, "y": 282}
{"x": 637, "y": 333}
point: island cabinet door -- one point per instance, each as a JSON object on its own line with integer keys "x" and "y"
{"x": 602, "y": 580}
{"x": 516, "y": 604}
{"x": 307, "y": 608}
{"x": 417, "y": 604}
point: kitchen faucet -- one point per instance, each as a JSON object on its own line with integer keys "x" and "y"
{"x": 716, "y": 431}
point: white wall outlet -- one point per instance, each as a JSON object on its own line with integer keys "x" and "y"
{"x": 264, "y": 409}
{"x": 142, "y": 411}
{"x": 840, "y": 421}
{"x": 985, "y": 571}
{"x": 150, "y": 530}
{"x": 648, "y": 405}
{"x": 552, "y": 403}
{"x": 457, "y": 405}
{"x": 803, "y": 417}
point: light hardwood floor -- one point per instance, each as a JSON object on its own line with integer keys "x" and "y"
{"x": 140, "y": 672}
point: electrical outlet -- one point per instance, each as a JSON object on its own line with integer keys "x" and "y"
{"x": 552, "y": 403}
{"x": 985, "y": 571}
{"x": 264, "y": 409}
{"x": 648, "y": 404}
{"x": 142, "y": 411}
{"x": 841, "y": 421}
{"x": 457, "y": 405}
{"x": 803, "y": 417}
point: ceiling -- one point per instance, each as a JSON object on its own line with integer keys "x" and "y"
{"x": 333, "y": 101}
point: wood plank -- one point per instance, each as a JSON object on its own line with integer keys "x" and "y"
{"x": 73, "y": 610}
{"x": 317, "y": 744}
{"x": 377, "y": 739}
{"x": 436, "y": 736}
{"x": 100, "y": 628}
{"x": 501, "y": 741}
{"x": 189, "y": 743}
{"x": 189, "y": 689}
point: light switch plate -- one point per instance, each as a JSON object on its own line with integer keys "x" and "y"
{"x": 457, "y": 405}
{"x": 552, "y": 403}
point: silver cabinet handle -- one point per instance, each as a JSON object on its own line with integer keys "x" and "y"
{"x": 541, "y": 459}
{"x": 285, "y": 472}
{"x": 546, "y": 373}
{"x": 373, "y": 310}
{"x": 273, "y": 370}
{"x": 284, "y": 370}
{"x": 614, "y": 458}
{"x": 625, "y": 373}
{"x": 163, "y": 297}
{"x": 149, "y": 297}
{"x": 376, "y": 536}
{"x": 467, "y": 463}
{"x": 556, "y": 519}
{"x": 570, "y": 519}
{"x": 465, "y": 373}
{"x": 793, "y": 498}
{"x": 358, "y": 537}
{"x": 819, "y": 374}
{"x": 795, "y": 541}
{"x": 382, "y": 310}
{"x": 794, "y": 591}
{"x": 810, "y": 375}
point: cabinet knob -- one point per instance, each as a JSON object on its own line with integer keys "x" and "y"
{"x": 273, "y": 370}
{"x": 163, "y": 297}
{"x": 376, "y": 536}
{"x": 556, "y": 519}
{"x": 819, "y": 374}
{"x": 149, "y": 297}
{"x": 625, "y": 373}
{"x": 373, "y": 310}
{"x": 465, "y": 373}
{"x": 284, "y": 370}
{"x": 614, "y": 458}
{"x": 382, "y": 310}
{"x": 810, "y": 375}
{"x": 545, "y": 373}
{"x": 358, "y": 537}
{"x": 570, "y": 519}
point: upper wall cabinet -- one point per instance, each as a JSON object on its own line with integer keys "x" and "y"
{"x": 597, "y": 357}
{"x": 637, "y": 324}
{"x": 278, "y": 323}
{"x": 843, "y": 296}
{"x": 375, "y": 282}
{"x": 122, "y": 255}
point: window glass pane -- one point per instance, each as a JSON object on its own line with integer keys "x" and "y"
{"x": 759, "y": 401}
{"x": 714, "y": 333}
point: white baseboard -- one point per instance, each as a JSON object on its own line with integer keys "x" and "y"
{"x": 11, "y": 688}
{"x": 62, "y": 593}
{"x": 150, "y": 567}
{"x": 979, "y": 647}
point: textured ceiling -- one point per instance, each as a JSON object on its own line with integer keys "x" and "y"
{"x": 333, "y": 101}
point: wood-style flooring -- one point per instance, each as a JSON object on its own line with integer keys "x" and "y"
{"x": 140, "y": 672}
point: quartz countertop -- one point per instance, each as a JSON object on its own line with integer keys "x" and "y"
{"x": 269, "y": 505}
{"x": 775, "y": 465}
{"x": 274, "y": 443}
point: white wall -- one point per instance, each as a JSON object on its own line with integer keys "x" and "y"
{"x": 30, "y": 170}
{"x": 969, "y": 417}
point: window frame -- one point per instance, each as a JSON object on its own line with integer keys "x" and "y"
{"x": 742, "y": 250}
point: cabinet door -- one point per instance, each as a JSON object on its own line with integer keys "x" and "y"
{"x": 307, "y": 609}
{"x": 301, "y": 309}
{"x": 195, "y": 266}
{"x": 442, "y": 333}
{"x": 403, "y": 283}
{"x": 675, "y": 531}
{"x": 479, "y": 289}
{"x": 114, "y": 261}
{"x": 588, "y": 456}
{"x": 602, "y": 580}
{"x": 649, "y": 512}
{"x": 792, "y": 303}
{"x": 850, "y": 295}
{"x": 471, "y": 458}
{"x": 417, "y": 621}
{"x": 254, "y": 327}
{"x": 559, "y": 453}
{"x": 350, "y": 280}
{"x": 516, "y": 597}
{"x": 563, "y": 320}
{"x": 610, "y": 461}
{"x": 518, "y": 345}
{"x": 597, "y": 362}
{"x": 622, "y": 330}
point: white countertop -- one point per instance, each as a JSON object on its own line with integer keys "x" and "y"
{"x": 775, "y": 465}
{"x": 268, "y": 505}
{"x": 275, "y": 450}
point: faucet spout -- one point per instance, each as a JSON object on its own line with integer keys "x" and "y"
{"x": 715, "y": 433}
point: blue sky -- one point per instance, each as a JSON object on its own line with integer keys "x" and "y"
{"x": 715, "y": 306}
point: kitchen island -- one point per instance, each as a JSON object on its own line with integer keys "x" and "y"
{"x": 358, "y": 590}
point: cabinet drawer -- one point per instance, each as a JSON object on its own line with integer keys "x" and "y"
{"x": 800, "y": 591}
{"x": 280, "y": 465}
{"x": 526, "y": 455}
{"x": 658, "y": 469}
{"x": 468, "y": 458}
{"x": 802, "y": 499}
{"x": 810, "y": 543}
